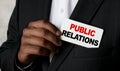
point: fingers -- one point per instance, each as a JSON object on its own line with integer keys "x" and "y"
{"x": 46, "y": 25}
{"x": 35, "y": 50}
{"x": 42, "y": 33}
{"x": 38, "y": 42}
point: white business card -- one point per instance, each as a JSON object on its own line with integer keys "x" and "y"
{"x": 81, "y": 34}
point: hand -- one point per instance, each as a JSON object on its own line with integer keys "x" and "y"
{"x": 40, "y": 38}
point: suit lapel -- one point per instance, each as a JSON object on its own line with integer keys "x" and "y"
{"x": 59, "y": 58}
{"x": 47, "y": 8}
{"x": 32, "y": 10}
{"x": 84, "y": 11}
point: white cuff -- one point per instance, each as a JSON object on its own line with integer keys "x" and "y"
{"x": 23, "y": 68}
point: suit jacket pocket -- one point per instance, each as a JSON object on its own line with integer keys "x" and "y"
{"x": 82, "y": 52}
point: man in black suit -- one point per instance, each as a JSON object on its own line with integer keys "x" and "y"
{"x": 29, "y": 44}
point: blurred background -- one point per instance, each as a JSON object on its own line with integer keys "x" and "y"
{"x": 6, "y": 8}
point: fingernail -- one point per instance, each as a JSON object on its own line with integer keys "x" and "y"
{"x": 58, "y": 33}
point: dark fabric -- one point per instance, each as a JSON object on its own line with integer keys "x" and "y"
{"x": 104, "y": 14}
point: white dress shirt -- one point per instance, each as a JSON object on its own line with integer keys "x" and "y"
{"x": 60, "y": 10}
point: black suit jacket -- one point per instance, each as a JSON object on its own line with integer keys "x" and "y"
{"x": 100, "y": 13}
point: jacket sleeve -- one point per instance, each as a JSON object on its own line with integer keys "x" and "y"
{"x": 9, "y": 48}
